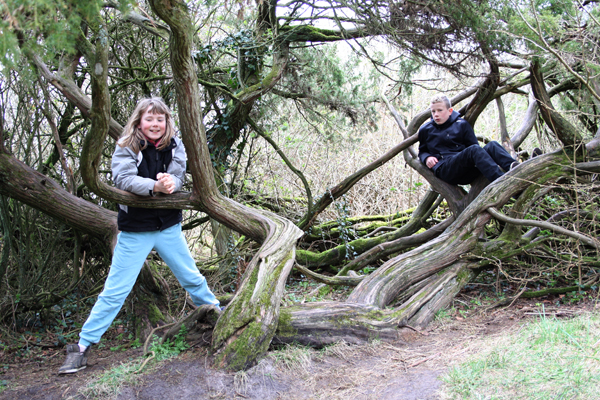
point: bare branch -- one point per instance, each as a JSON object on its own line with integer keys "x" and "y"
{"x": 287, "y": 162}
{"x": 544, "y": 225}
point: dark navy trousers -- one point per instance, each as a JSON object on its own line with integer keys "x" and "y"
{"x": 464, "y": 167}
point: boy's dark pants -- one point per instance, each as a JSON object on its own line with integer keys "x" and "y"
{"x": 462, "y": 168}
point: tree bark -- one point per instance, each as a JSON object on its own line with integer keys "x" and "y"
{"x": 246, "y": 328}
{"x": 25, "y": 184}
{"x": 383, "y": 285}
{"x": 564, "y": 131}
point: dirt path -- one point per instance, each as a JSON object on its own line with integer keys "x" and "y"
{"x": 408, "y": 369}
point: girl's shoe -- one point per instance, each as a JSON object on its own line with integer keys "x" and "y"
{"x": 76, "y": 360}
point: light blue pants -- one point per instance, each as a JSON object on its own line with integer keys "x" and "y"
{"x": 130, "y": 253}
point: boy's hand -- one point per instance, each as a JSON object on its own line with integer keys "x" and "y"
{"x": 431, "y": 161}
{"x": 164, "y": 183}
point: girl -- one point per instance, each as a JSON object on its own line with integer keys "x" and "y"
{"x": 148, "y": 159}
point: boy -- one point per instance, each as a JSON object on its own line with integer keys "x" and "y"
{"x": 448, "y": 146}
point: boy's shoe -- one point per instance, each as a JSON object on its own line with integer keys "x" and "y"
{"x": 513, "y": 165}
{"x": 536, "y": 152}
{"x": 76, "y": 360}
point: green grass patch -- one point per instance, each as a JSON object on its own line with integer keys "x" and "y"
{"x": 546, "y": 359}
{"x": 108, "y": 384}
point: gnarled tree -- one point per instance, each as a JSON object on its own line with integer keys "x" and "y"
{"x": 222, "y": 84}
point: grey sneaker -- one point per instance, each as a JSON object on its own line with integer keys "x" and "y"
{"x": 536, "y": 152}
{"x": 513, "y": 165}
{"x": 76, "y": 360}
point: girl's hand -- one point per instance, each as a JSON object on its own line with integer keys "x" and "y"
{"x": 164, "y": 183}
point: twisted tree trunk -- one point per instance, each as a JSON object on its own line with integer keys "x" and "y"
{"x": 246, "y": 328}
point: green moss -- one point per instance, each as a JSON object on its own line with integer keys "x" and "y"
{"x": 330, "y": 229}
{"x": 400, "y": 311}
{"x": 308, "y": 33}
{"x": 243, "y": 352}
{"x": 265, "y": 83}
{"x": 154, "y": 314}
{"x": 233, "y": 318}
{"x": 463, "y": 275}
{"x": 285, "y": 328}
{"x": 324, "y": 291}
{"x": 254, "y": 337}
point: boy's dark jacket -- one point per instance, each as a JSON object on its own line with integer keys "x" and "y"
{"x": 445, "y": 140}
{"x": 153, "y": 161}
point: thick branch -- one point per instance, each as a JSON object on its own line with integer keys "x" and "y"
{"x": 23, "y": 183}
{"x": 527, "y": 124}
{"x": 503, "y": 129}
{"x": 246, "y": 328}
{"x": 308, "y": 33}
{"x": 564, "y": 131}
{"x": 486, "y": 91}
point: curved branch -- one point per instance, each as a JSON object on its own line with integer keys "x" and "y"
{"x": 564, "y": 131}
{"x": 396, "y": 275}
{"x": 330, "y": 280}
{"x": 322, "y": 323}
{"x": 280, "y": 59}
{"x": 250, "y": 320}
{"x": 544, "y": 225}
{"x": 71, "y": 91}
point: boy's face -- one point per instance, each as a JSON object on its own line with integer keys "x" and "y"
{"x": 440, "y": 113}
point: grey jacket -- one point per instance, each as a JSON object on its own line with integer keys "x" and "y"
{"x": 125, "y": 170}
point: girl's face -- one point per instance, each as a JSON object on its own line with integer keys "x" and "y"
{"x": 153, "y": 126}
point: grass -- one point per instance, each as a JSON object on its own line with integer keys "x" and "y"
{"x": 108, "y": 384}
{"x": 293, "y": 357}
{"x": 546, "y": 359}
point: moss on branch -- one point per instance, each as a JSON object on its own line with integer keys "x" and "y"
{"x": 307, "y": 33}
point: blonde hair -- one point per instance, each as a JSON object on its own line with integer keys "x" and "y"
{"x": 132, "y": 137}
{"x": 440, "y": 98}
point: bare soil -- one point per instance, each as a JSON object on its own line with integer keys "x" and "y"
{"x": 409, "y": 369}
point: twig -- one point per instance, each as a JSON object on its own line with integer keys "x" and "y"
{"x": 414, "y": 329}
{"x": 424, "y": 360}
{"x": 152, "y": 333}
{"x": 381, "y": 228}
{"x": 146, "y": 362}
